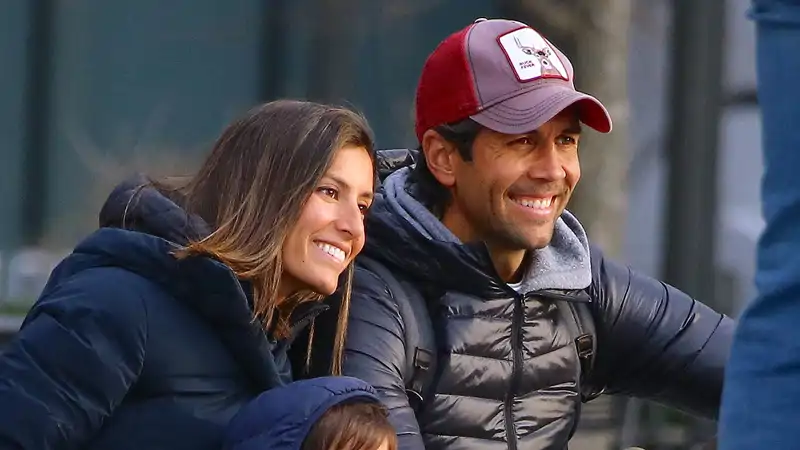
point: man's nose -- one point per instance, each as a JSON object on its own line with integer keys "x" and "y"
{"x": 548, "y": 165}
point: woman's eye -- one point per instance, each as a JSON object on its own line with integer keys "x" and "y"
{"x": 330, "y": 192}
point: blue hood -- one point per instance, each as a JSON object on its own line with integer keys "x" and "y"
{"x": 135, "y": 205}
{"x": 140, "y": 228}
{"x": 281, "y": 418}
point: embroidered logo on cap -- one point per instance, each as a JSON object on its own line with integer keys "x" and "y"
{"x": 531, "y": 56}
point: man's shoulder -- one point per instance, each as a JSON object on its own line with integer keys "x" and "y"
{"x": 393, "y": 302}
{"x": 370, "y": 272}
{"x": 392, "y": 159}
{"x": 375, "y": 279}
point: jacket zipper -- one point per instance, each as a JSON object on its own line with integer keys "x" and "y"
{"x": 304, "y": 320}
{"x": 579, "y": 403}
{"x": 516, "y": 347}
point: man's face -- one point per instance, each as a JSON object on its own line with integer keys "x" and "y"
{"x": 516, "y": 186}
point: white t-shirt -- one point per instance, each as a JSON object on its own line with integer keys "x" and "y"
{"x": 516, "y": 286}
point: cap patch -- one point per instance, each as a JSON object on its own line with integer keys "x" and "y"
{"x": 531, "y": 56}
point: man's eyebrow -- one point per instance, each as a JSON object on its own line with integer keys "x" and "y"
{"x": 575, "y": 128}
{"x": 344, "y": 184}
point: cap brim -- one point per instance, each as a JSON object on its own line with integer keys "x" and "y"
{"x": 532, "y": 109}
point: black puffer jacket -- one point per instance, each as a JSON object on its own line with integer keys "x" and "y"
{"x": 508, "y": 374}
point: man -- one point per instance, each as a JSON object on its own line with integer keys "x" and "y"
{"x": 761, "y": 402}
{"x": 478, "y": 229}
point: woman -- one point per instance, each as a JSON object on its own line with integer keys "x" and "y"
{"x": 180, "y": 308}
{"x": 326, "y": 413}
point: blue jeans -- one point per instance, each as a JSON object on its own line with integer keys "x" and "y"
{"x": 761, "y": 398}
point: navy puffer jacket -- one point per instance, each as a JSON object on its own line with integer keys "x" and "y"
{"x": 129, "y": 348}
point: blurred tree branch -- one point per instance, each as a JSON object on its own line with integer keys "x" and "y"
{"x": 594, "y": 34}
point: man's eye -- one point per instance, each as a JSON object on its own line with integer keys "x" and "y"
{"x": 567, "y": 140}
{"x": 522, "y": 141}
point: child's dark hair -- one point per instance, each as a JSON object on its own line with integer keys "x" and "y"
{"x": 355, "y": 425}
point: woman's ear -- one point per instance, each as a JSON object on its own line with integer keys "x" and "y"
{"x": 440, "y": 157}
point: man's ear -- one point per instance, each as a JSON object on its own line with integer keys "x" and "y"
{"x": 440, "y": 157}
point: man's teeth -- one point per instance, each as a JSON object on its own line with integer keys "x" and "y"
{"x": 539, "y": 203}
{"x": 335, "y": 252}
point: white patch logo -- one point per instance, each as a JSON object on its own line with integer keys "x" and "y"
{"x": 531, "y": 56}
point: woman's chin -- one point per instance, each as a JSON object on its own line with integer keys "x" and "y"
{"x": 324, "y": 287}
{"x": 313, "y": 280}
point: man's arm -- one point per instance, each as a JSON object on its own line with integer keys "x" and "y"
{"x": 656, "y": 342}
{"x": 71, "y": 364}
{"x": 375, "y": 352}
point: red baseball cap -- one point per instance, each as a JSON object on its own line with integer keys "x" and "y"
{"x": 504, "y": 75}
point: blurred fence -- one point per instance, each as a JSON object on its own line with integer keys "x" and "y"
{"x": 94, "y": 90}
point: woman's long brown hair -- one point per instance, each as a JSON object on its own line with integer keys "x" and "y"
{"x": 251, "y": 191}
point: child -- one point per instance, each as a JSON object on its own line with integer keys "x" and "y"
{"x": 328, "y": 413}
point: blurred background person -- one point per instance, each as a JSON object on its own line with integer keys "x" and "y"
{"x": 762, "y": 387}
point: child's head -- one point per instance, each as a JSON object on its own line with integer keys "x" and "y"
{"x": 355, "y": 425}
{"x": 328, "y": 413}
